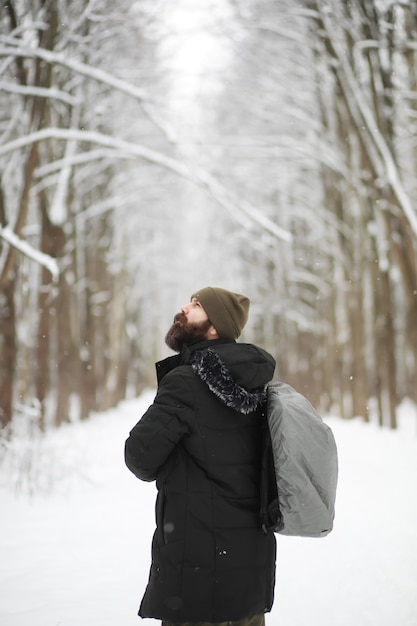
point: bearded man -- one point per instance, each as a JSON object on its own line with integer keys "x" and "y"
{"x": 201, "y": 440}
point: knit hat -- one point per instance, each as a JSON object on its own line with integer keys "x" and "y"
{"x": 227, "y": 311}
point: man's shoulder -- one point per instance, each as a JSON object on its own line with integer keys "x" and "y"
{"x": 171, "y": 369}
{"x": 247, "y": 364}
{"x": 244, "y": 351}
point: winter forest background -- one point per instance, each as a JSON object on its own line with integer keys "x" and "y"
{"x": 149, "y": 148}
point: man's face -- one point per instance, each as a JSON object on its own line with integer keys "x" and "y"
{"x": 190, "y": 325}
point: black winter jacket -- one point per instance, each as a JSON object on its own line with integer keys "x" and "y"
{"x": 201, "y": 440}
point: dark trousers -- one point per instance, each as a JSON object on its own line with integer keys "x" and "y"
{"x": 256, "y": 620}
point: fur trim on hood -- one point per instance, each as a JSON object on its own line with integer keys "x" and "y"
{"x": 208, "y": 365}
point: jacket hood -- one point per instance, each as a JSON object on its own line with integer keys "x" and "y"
{"x": 236, "y": 373}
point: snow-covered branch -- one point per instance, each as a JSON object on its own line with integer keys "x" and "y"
{"x": 243, "y": 212}
{"x": 80, "y": 159}
{"x": 233, "y": 206}
{"x": 25, "y": 248}
{"x": 84, "y": 69}
{"x": 41, "y": 92}
{"x": 283, "y": 33}
{"x": 100, "y": 139}
{"x": 387, "y": 162}
{"x": 78, "y": 67}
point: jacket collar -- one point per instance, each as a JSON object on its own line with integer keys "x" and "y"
{"x": 209, "y": 367}
{"x": 185, "y": 356}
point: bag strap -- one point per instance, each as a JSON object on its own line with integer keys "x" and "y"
{"x": 270, "y": 514}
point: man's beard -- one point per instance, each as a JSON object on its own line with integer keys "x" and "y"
{"x": 183, "y": 333}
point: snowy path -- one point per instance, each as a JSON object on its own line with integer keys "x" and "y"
{"x": 78, "y": 553}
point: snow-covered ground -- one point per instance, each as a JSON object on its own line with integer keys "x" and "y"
{"x": 75, "y": 539}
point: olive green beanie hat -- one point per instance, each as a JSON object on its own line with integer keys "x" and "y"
{"x": 227, "y": 311}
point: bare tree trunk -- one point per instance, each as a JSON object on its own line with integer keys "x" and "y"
{"x": 405, "y": 243}
{"x": 66, "y": 355}
{"x": 42, "y": 76}
{"x": 359, "y": 374}
{"x": 7, "y": 351}
{"x": 98, "y": 303}
{"x": 88, "y": 383}
{"x": 384, "y": 333}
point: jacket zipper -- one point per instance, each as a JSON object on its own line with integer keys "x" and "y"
{"x": 163, "y": 508}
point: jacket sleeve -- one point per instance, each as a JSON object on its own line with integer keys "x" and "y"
{"x": 161, "y": 428}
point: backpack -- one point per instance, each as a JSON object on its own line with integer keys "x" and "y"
{"x": 299, "y": 467}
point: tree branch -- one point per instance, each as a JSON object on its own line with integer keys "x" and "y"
{"x": 25, "y": 248}
{"x": 243, "y": 212}
{"x": 40, "y": 92}
{"x": 354, "y": 98}
{"x": 78, "y": 67}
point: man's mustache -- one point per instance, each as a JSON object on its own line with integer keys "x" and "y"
{"x": 180, "y": 318}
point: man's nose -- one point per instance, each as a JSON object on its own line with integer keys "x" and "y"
{"x": 184, "y": 309}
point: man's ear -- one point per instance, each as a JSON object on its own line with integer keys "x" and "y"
{"x": 212, "y": 333}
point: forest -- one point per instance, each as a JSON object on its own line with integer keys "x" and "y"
{"x": 149, "y": 148}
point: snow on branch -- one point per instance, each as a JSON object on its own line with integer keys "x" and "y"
{"x": 243, "y": 212}
{"x": 41, "y": 92}
{"x": 79, "y": 159}
{"x": 96, "y": 138}
{"x": 25, "y": 248}
{"x": 77, "y": 66}
{"x": 94, "y": 73}
{"x": 222, "y": 196}
{"x": 385, "y": 155}
{"x": 284, "y": 33}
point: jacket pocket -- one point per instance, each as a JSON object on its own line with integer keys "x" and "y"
{"x": 160, "y": 514}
